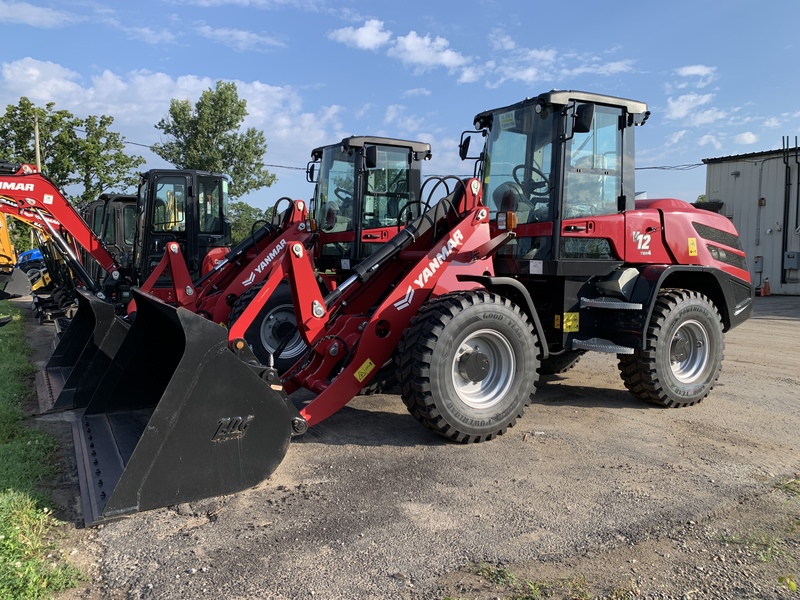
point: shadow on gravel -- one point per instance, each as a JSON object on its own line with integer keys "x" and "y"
{"x": 370, "y": 427}
{"x": 555, "y": 389}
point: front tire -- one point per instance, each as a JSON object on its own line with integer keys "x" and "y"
{"x": 683, "y": 352}
{"x": 468, "y": 365}
{"x": 275, "y": 322}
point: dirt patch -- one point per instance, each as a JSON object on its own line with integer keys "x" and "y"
{"x": 592, "y": 492}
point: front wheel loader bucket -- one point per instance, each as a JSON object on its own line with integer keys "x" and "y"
{"x": 83, "y": 353}
{"x": 177, "y": 417}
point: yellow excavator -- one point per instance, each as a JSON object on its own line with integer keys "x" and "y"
{"x": 13, "y": 282}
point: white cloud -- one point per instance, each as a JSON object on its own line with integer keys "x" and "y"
{"x": 35, "y": 16}
{"x": 308, "y": 5}
{"x": 748, "y": 137}
{"x": 684, "y": 106}
{"x": 238, "y": 39}
{"x": 773, "y": 122}
{"x": 501, "y": 41}
{"x": 396, "y": 116}
{"x": 416, "y": 92}
{"x": 370, "y": 36}
{"x": 710, "y": 140}
{"x": 704, "y": 75}
{"x": 676, "y": 137}
{"x": 424, "y": 52}
{"x": 598, "y": 68}
{"x": 137, "y": 100}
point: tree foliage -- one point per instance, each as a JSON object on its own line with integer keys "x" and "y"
{"x": 73, "y": 151}
{"x": 244, "y": 219}
{"x": 207, "y": 137}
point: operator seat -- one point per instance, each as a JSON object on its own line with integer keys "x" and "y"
{"x": 507, "y": 196}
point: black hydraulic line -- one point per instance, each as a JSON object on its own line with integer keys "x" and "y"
{"x": 69, "y": 256}
{"x": 388, "y": 251}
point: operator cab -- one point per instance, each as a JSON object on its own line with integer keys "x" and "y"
{"x": 366, "y": 189}
{"x": 562, "y": 163}
{"x": 189, "y": 207}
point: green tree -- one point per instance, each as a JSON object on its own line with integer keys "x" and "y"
{"x": 701, "y": 198}
{"x": 73, "y": 151}
{"x": 243, "y": 218}
{"x": 207, "y": 137}
{"x": 57, "y": 138}
{"x": 101, "y": 162}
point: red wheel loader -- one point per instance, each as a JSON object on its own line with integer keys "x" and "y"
{"x": 546, "y": 253}
{"x": 365, "y": 186}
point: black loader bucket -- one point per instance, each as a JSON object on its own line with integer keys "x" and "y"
{"x": 14, "y": 285}
{"x": 177, "y": 417}
{"x": 83, "y": 353}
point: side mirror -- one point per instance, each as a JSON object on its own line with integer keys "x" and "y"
{"x": 463, "y": 147}
{"x": 371, "y": 156}
{"x": 584, "y": 116}
{"x": 310, "y": 172}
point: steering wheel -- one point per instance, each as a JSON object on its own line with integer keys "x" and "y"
{"x": 342, "y": 194}
{"x": 534, "y": 188}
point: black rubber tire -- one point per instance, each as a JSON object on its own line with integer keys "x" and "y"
{"x": 433, "y": 358}
{"x": 384, "y": 382}
{"x": 275, "y": 319}
{"x": 683, "y": 353}
{"x": 561, "y": 363}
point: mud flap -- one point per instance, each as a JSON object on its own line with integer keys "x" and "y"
{"x": 14, "y": 285}
{"x": 84, "y": 353}
{"x": 176, "y": 418}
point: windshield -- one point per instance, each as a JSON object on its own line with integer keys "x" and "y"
{"x": 213, "y": 203}
{"x": 334, "y": 192}
{"x": 519, "y": 165}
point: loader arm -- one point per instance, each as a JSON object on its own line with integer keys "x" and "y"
{"x": 349, "y": 348}
{"x": 29, "y": 190}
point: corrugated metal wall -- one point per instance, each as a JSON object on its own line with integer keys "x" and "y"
{"x": 754, "y": 191}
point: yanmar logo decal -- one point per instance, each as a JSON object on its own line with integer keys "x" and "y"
{"x": 264, "y": 263}
{"x": 16, "y": 186}
{"x": 430, "y": 269}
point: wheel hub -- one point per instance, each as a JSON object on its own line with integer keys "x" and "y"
{"x": 474, "y": 366}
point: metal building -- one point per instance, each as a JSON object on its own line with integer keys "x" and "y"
{"x": 760, "y": 192}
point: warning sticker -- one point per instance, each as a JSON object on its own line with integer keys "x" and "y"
{"x": 692, "y": 246}
{"x": 571, "y": 322}
{"x": 508, "y": 120}
{"x": 364, "y": 370}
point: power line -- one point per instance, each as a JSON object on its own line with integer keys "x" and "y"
{"x": 684, "y": 167}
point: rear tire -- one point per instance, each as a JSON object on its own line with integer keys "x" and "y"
{"x": 468, "y": 365}
{"x": 275, "y": 321}
{"x": 683, "y": 352}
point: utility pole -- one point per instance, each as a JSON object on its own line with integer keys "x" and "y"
{"x": 36, "y": 141}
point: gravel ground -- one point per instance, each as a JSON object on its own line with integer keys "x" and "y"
{"x": 592, "y": 494}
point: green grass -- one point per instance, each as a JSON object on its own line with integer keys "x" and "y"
{"x": 30, "y": 563}
{"x": 789, "y": 486}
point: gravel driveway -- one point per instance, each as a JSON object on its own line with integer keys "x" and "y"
{"x": 592, "y": 494}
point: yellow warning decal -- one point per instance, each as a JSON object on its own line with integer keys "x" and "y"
{"x": 557, "y": 324}
{"x": 571, "y": 321}
{"x": 692, "y": 246}
{"x": 364, "y": 370}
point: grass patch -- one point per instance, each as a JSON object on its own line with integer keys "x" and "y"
{"x": 766, "y": 547}
{"x": 575, "y": 588}
{"x": 30, "y": 565}
{"x": 789, "y": 486}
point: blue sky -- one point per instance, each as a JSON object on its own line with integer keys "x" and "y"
{"x": 720, "y": 77}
